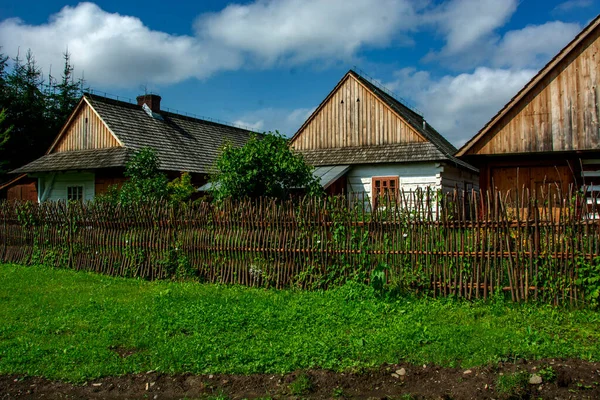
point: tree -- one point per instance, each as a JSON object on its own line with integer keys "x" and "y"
{"x": 4, "y": 134}
{"x": 264, "y": 166}
{"x": 64, "y": 96}
{"x": 147, "y": 184}
{"x": 34, "y": 108}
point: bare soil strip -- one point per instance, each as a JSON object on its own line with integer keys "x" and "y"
{"x": 572, "y": 379}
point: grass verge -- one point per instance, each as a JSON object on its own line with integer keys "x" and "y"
{"x": 62, "y": 324}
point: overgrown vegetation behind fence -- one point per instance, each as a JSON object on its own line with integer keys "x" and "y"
{"x": 463, "y": 244}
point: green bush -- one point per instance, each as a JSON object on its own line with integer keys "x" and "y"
{"x": 147, "y": 184}
{"x": 264, "y": 166}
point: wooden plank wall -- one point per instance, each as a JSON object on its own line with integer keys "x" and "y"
{"x": 352, "y": 117}
{"x": 560, "y": 114}
{"x": 22, "y": 192}
{"x": 86, "y": 131}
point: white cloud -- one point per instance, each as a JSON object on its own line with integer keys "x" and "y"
{"x": 114, "y": 49}
{"x": 459, "y": 106}
{"x": 119, "y": 50}
{"x": 533, "y": 45}
{"x": 470, "y": 45}
{"x": 466, "y": 23}
{"x": 256, "y": 126}
{"x": 299, "y": 30}
{"x": 572, "y": 5}
{"x": 285, "y": 121}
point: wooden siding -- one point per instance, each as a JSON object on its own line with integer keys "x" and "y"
{"x": 86, "y": 131}
{"x": 353, "y": 116}
{"x": 22, "y": 192}
{"x": 560, "y": 114}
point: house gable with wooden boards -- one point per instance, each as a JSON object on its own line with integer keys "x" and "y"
{"x": 549, "y": 132}
{"x": 363, "y": 141}
{"x": 90, "y": 153}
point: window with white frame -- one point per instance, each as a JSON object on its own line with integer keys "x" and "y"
{"x": 75, "y": 193}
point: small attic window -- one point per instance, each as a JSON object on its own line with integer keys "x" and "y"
{"x": 151, "y": 113}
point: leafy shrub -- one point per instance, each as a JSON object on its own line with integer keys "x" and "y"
{"x": 264, "y": 166}
{"x": 147, "y": 183}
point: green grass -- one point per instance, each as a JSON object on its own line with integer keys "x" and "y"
{"x": 63, "y": 324}
{"x": 301, "y": 385}
{"x": 513, "y": 386}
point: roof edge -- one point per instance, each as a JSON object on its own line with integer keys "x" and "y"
{"x": 542, "y": 73}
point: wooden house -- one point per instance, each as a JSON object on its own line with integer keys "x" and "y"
{"x": 362, "y": 140}
{"x": 549, "y": 132}
{"x": 91, "y": 151}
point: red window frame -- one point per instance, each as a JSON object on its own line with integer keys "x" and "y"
{"x": 383, "y": 187}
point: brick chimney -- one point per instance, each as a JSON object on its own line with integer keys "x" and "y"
{"x": 151, "y": 100}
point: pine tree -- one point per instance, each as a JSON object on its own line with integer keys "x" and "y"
{"x": 25, "y": 103}
{"x": 64, "y": 96}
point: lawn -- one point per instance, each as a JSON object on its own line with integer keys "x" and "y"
{"x": 75, "y": 326}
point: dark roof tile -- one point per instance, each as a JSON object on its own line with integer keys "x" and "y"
{"x": 78, "y": 160}
{"x": 182, "y": 143}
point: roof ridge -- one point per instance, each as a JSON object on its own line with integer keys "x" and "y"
{"x": 167, "y": 111}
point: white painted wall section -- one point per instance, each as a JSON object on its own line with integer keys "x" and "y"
{"x": 459, "y": 178}
{"x": 57, "y": 185}
{"x": 411, "y": 176}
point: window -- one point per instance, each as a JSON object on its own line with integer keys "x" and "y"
{"x": 384, "y": 189}
{"x": 75, "y": 193}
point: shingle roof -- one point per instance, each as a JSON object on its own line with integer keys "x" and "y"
{"x": 389, "y": 153}
{"x": 78, "y": 160}
{"x": 182, "y": 143}
{"x": 437, "y": 149}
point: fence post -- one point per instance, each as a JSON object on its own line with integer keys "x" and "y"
{"x": 4, "y": 232}
{"x": 70, "y": 235}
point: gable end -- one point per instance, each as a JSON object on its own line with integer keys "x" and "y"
{"x": 353, "y": 116}
{"x": 84, "y": 130}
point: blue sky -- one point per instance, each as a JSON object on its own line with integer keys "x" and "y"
{"x": 268, "y": 63}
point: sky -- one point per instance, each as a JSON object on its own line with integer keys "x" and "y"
{"x": 267, "y": 64}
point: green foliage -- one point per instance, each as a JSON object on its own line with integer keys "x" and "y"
{"x": 378, "y": 278}
{"x": 4, "y": 130}
{"x": 301, "y": 386}
{"x": 589, "y": 279}
{"x": 181, "y": 189}
{"x": 264, "y": 166}
{"x": 547, "y": 373}
{"x": 62, "y": 324}
{"x": 513, "y": 386}
{"x": 35, "y": 108}
{"x": 147, "y": 184}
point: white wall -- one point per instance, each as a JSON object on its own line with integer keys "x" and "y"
{"x": 453, "y": 177}
{"x": 410, "y": 176}
{"x": 59, "y": 182}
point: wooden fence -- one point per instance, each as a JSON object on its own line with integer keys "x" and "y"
{"x": 463, "y": 244}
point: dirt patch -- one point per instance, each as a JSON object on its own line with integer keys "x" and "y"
{"x": 561, "y": 379}
{"x": 123, "y": 352}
